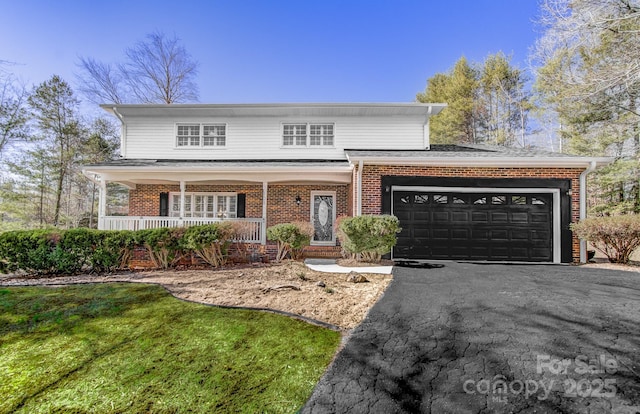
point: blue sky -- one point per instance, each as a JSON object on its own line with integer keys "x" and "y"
{"x": 275, "y": 51}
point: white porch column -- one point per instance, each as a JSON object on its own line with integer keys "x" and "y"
{"x": 183, "y": 186}
{"x": 359, "y": 189}
{"x": 263, "y": 232}
{"x": 102, "y": 204}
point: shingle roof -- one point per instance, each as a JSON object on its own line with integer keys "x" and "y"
{"x": 470, "y": 150}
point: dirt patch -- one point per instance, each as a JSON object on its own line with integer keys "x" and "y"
{"x": 355, "y": 263}
{"x": 631, "y": 267}
{"x": 339, "y": 302}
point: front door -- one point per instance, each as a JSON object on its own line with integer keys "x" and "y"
{"x": 323, "y": 216}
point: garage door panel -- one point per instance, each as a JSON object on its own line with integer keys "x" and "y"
{"x": 460, "y": 216}
{"x": 441, "y": 225}
{"x": 460, "y": 234}
{"x": 480, "y": 234}
{"x": 479, "y": 253}
{"x": 499, "y": 217}
{"x": 440, "y": 234}
{"x": 441, "y": 217}
{"x": 520, "y": 234}
{"x": 480, "y": 216}
{"x": 499, "y": 234}
{"x": 520, "y": 217}
{"x": 540, "y": 235}
{"x": 540, "y": 217}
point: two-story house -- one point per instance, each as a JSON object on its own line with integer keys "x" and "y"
{"x": 272, "y": 163}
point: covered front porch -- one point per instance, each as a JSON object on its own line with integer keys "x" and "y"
{"x": 257, "y": 194}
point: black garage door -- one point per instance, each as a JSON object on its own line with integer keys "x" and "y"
{"x": 474, "y": 226}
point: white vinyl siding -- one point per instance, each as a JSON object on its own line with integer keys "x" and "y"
{"x": 210, "y": 205}
{"x": 200, "y": 135}
{"x": 262, "y": 137}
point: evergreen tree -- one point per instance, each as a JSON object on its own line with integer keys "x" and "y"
{"x": 458, "y": 89}
{"x": 587, "y": 73}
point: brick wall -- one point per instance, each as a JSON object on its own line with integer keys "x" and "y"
{"x": 145, "y": 199}
{"x": 282, "y": 207}
{"x": 281, "y": 199}
{"x": 372, "y": 176}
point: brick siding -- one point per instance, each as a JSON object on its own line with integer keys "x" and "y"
{"x": 372, "y": 181}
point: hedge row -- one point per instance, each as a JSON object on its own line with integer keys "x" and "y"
{"x": 40, "y": 252}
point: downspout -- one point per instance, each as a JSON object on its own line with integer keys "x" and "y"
{"x": 359, "y": 184}
{"x": 123, "y": 131}
{"x": 583, "y": 207}
{"x": 425, "y": 133}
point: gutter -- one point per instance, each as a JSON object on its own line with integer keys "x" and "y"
{"x": 457, "y": 161}
{"x": 425, "y": 133}
{"x": 583, "y": 206}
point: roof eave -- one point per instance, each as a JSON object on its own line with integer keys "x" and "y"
{"x": 557, "y": 162}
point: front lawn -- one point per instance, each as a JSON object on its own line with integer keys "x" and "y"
{"x": 135, "y": 348}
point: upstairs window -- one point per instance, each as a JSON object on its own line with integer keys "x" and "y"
{"x": 294, "y": 134}
{"x": 307, "y": 135}
{"x": 201, "y": 135}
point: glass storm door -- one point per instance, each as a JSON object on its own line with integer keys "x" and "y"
{"x": 323, "y": 216}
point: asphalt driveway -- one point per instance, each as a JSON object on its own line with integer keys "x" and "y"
{"x": 470, "y": 338}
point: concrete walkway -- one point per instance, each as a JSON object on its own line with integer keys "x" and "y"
{"x": 469, "y": 338}
{"x": 330, "y": 266}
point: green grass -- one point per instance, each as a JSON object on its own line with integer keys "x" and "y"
{"x": 135, "y": 348}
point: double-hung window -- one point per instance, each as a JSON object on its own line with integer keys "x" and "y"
{"x": 307, "y": 135}
{"x": 209, "y": 205}
{"x": 201, "y": 135}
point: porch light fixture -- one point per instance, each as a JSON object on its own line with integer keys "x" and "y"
{"x": 298, "y": 200}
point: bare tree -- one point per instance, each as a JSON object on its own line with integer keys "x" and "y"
{"x": 156, "y": 70}
{"x": 101, "y": 82}
{"x": 13, "y": 110}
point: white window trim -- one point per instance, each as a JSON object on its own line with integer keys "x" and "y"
{"x": 201, "y": 145}
{"x": 192, "y": 194}
{"x": 308, "y": 139}
{"x": 333, "y": 231}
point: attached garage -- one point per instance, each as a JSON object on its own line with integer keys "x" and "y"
{"x": 476, "y": 224}
{"x": 477, "y": 202}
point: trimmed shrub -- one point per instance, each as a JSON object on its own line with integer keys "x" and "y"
{"x": 164, "y": 245}
{"x": 368, "y": 237}
{"x": 210, "y": 241}
{"x": 112, "y": 250}
{"x": 291, "y": 238}
{"x": 74, "y": 250}
{"x": 30, "y": 251}
{"x": 615, "y": 236}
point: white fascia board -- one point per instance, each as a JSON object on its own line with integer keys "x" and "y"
{"x": 231, "y": 174}
{"x": 196, "y": 169}
{"x": 278, "y": 109}
{"x": 573, "y": 162}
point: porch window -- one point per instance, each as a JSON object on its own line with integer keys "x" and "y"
{"x": 307, "y": 135}
{"x": 201, "y": 135}
{"x": 209, "y": 205}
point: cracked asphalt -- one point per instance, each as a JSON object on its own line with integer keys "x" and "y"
{"x": 476, "y": 338}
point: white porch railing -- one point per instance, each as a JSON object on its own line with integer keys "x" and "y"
{"x": 253, "y": 232}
